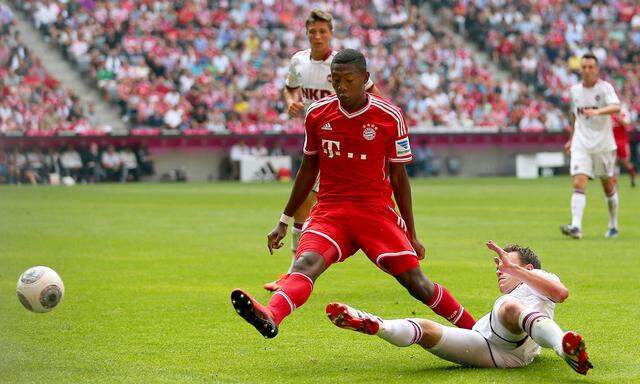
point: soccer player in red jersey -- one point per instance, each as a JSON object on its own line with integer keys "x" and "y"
{"x": 359, "y": 143}
{"x": 621, "y": 123}
{"x": 309, "y": 80}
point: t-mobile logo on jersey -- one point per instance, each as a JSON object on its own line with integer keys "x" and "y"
{"x": 328, "y": 148}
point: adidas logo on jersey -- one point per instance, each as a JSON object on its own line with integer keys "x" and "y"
{"x": 326, "y": 127}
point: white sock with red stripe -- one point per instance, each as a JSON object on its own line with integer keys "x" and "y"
{"x": 542, "y": 329}
{"x": 401, "y": 332}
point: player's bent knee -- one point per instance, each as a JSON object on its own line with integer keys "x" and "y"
{"x": 310, "y": 264}
{"x": 509, "y": 313}
{"x": 415, "y": 281}
{"x": 431, "y": 333}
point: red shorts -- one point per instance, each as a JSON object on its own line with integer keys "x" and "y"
{"x": 623, "y": 152}
{"x": 338, "y": 231}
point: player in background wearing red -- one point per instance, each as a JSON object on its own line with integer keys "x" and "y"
{"x": 359, "y": 143}
{"x": 510, "y": 336}
{"x": 621, "y": 127}
{"x": 309, "y": 80}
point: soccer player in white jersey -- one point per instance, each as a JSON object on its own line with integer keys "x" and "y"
{"x": 509, "y": 336}
{"x": 309, "y": 80}
{"x": 592, "y": 145}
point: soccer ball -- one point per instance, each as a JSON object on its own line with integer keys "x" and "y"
{"x": 40, "y": 289}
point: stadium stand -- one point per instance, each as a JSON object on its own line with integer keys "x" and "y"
{"x": 200, "y": 66}
{"x": 32, "y": 102}
{"x": 542, "y": 41}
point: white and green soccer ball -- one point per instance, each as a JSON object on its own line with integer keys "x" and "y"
{"x": 40, "y": 289}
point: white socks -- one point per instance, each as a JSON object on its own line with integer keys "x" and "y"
{"x": 578, "y": 202}
{"x": 295, "y": 238}
{"x": 401, "y": 332}
{"x": 543, "y": 330}
{"x": 612, "y": 205}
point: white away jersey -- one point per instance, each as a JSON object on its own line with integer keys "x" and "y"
{"x": 592, "y": 134}
{"x": 312, "y": 76}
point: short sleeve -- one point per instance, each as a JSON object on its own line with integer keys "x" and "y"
{"x": 572, "y": 97}
{"x": 310, "y": 136}
{"x": 610, "y": 96}
{"x": 293, "y": 77}
{"x": 398, "y": 148}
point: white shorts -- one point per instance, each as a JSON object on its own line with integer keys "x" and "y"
{"x": 600, "y": 164}
{"x": 497, "y": 348}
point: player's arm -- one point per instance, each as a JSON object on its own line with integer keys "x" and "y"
{"x": 543, "y": 284}
{"x": 402, "y": 193}
{"x": 293, "y": 97}
{"x": 305, "y": 179}
{"x": 608, "y": 110}
{"x": 567, "y": 145}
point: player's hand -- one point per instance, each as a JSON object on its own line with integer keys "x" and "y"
{"x": 503, "y": 263}
{"x": 418, "y": 247}
{"x": 274, "y": 238}
{"x": 295, "y": 109}
{"x": 567, "y": 147}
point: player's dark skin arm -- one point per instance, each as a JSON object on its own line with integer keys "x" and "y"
{"x": 402, "y": 193}
{"x": 414, "y": 280}
{"x": 305, "y": 179}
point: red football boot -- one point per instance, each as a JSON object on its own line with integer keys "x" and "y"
{"x": 254, "y": 313}
{"x": 275, "y": 285}
{"x": 348, "y": 317}
{"x": 575, "y": 353}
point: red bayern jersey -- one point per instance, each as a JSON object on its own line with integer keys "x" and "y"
{"x": 621, "y": 122}
{"x": 355, "y": 148}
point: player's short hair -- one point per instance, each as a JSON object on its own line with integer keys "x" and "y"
{"x": 590, "y": 55}
{"x": 351, "y": 56}
{"x": 319, "y": 15}
{"x": 527, "y": 255}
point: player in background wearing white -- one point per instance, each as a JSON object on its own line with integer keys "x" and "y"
{"x": 592, "y": 145}
{"x": 309, "y": 80}
{"x": 510, "y": 336}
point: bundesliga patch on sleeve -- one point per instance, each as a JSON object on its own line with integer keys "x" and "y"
{"x": 402, "y": 147}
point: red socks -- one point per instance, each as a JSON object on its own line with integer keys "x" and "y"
{"x": 295, "y": 291}
{"x": 444, "y": 304}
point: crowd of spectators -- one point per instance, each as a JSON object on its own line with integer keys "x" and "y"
{"x": 220, "y": 66}
{"x": 70, "y": 165}
{"x": 32, "y": 101}
{"x": 542, "y": 41}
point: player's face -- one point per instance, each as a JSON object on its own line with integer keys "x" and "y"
{"x": 589, "y": 70}
{"x": 506, "y": 282}
{"x": 319, "y": 34}
{"x": 348, "y": 83}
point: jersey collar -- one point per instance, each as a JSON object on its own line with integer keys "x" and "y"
{"x": 323, "y": 60}
{"x": 358, "y": 112}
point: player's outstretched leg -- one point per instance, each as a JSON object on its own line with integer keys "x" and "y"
{"x": 436, "y": 297}
{"x": 401, "y": 332}
{"x": 517, "y": 318}
{"x": 295, "y": 291}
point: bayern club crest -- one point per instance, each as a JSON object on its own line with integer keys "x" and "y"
{"x": 369, "y": 132}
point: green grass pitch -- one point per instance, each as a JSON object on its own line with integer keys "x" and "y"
{"x": 148, "y": 270}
